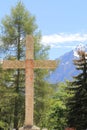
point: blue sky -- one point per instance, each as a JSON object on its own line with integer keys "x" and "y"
{"x": 63, "y": 23}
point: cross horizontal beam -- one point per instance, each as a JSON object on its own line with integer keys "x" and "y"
{"x": 8, "y": 64}
{"x": 45, "y": 64}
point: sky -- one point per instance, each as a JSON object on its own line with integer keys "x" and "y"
{"x": 63, "y": 23}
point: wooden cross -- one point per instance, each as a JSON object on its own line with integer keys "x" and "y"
{"x": 29, "y": 64}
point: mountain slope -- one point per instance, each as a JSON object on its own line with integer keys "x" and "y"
{"x": 65, "y": 69}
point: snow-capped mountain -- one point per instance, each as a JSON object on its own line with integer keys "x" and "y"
{"x": 66, "y": 68}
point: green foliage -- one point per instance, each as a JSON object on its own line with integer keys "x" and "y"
{"x": 57, "y": 111}
{"x": 77, "y": 103}
{"x": 19, "y": 23}
{"x": 42, "y": 95}
{"x": 3, "y": 125}
{"x": 6, "y": 102}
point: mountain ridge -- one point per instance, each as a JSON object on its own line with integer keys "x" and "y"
{"x": 66, "y": 68}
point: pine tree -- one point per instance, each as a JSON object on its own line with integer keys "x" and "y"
{"x": 16, "y": 25}
{"x": 77, "y": 103}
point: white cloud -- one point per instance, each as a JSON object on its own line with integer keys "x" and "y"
{"x": 56, "y": 40}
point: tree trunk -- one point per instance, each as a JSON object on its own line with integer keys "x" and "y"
{"x": 16, "y": 107}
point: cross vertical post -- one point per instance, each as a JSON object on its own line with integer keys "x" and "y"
{"x": 29, "y": 83}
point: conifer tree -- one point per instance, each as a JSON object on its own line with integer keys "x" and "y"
{"x": 77, "y": 103}
{"x": 15, "y": 27}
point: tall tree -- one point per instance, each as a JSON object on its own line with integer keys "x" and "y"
{"x": 16, "y": 25}
{"x": 77, "y": 103}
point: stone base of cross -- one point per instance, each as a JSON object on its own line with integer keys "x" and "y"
{"x": 29, "y": 128}
{"x": 29, "y": 65}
